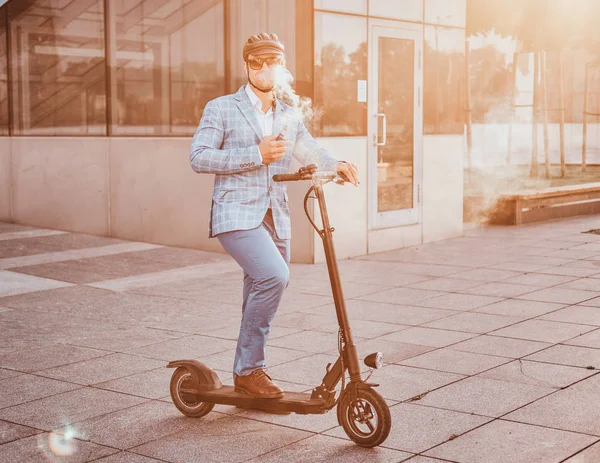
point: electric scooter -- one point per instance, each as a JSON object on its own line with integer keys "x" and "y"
{"x": 361, "y": 411}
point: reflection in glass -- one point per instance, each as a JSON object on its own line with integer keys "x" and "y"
{"x": 443, "y": 81}
{"x": 169, "y": 62}
{"x": 340, "y": 62}
{"x": 410, "y": 10}
{"x": 58, "y": 79}
{"x": 344, "y": 6}
{"x": 446, "y": 12}
{"x": 3, "y": 75}
{"x": 395, "y": 159}
{"x": 248, "y": 17}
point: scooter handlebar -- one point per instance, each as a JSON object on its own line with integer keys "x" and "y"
{"x": 308, "y": 173}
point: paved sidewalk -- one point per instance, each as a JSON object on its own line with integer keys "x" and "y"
{"x": 491, "y": 342}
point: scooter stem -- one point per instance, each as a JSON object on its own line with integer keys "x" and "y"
{"x": 350, "y": 351}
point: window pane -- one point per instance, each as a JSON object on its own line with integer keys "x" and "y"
{"x": 411, "y": 10}
{"x": 340, "y": 62}
{"x": 58, "y": 72}
{"x": 250, "y": 17}
{"x": 3, "y": 75}
{"x": 169, "y": 62}
{"x": 444, "y": 84}
{"x": 344, "y": 6}
{"x": 446, "y": 12}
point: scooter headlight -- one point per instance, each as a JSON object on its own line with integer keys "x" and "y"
{"x": 374, "y": 360}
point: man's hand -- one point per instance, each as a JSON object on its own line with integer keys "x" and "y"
{"x": 348, "y": 170}
{"x": 272, "y": 150}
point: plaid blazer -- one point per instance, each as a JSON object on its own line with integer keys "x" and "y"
{"x": 226, "y": 144}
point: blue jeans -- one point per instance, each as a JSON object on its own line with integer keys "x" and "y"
{"x": 265, "y": 259}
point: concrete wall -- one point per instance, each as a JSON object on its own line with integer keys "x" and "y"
{"x": 442, "y": 187}
{"x": 143, "y": 189}
{"x": 5, "y": 180}
{"x": 61, "y": 183}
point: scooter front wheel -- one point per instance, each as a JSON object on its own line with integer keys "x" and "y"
{"x": 183, "y": 394}
{"x": 367, "y": 420}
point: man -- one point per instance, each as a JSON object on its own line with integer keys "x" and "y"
{"x": 237, "y": 141}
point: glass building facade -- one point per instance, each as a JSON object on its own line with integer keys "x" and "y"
{"x": 148, "y": 67}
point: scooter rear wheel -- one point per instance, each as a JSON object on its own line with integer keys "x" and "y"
{"x": 367, "y": 420}
{"x": 182, "y": 386}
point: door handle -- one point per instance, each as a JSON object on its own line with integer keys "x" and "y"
{"x": 384, "y": 130}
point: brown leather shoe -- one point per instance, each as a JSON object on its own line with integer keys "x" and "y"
{"x": 257, "y": 384}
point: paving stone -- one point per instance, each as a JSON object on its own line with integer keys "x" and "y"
{"x": 386, "y": 313}
{"x": 500, "y": 289}
{"x": 12, "y": 283}
{"x": 577, "y": 356}
{"x": 318, "y": 449}
{"x": 393, "y": 352}
{"x": 193, "y": 347}
{"x": 575, "y": 314}
{"x": 487, "y": 397}
{"x": 537, "y": 374}
{"x": 583, "y": 284}
{"x": 62, "y": 409}
{"x": 560, "y": 295}
{"x": 456, "y": 301}
{"x": 401, "y": 383}
{"x": 544, "y": 331}
{"x": 312, "y": 423}
{"x": 51, "y": 447}
{"x": 10, "y": 432}
{"x": 591, "y": 339}
{"x": 569, "y": 270}
{"x": 133, "y": 426}
{"x": 485, "y": 274}
{"x": 323, "y": 287}
{"x": 592, "y": 302}
{"x": 127, "y": 457}
{"x": 420, "y": 459}
{"x": 427, "y": 337}
{"x": 445, "y": 284}
{"x": 152, "y": 384}
{"x": 472, "y": 322}
{"x": 54, "y": 243}
{"x": 236, "y": 438}
{"x": 124, "y": 337}
{"x": 309, "y": 341}
{"x": 501, "y": 441}
{"x": 589, "y": 455}
{"x": 232, "y": 331}
{"x": 101, "y": 369}
{"x": 47, "y": 357}
{"x": 26, "y": 388}
{"x": 401, "y": 295}
{"x": 307, "y": 370}
{"x": 416, "y": 428}
{"x": 453, "y": 361}
{"x": 519, "y": 308}
{"x": 501, "y": 347}
{"x": 540, "y": 279}
{"x": 4, "y": 374}
{"x": 573, "y": 409}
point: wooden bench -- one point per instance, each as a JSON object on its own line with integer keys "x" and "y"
{"x": 548, "y": 203}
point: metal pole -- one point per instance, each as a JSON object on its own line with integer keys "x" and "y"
{"x": 513, "y": 111}
{"x": 561, "y": 97}
{"x": 544, "y": 84}
{"x": 336, "y": 288}
{"x": 534, "y": 119}
{"x": 585, "y": 110}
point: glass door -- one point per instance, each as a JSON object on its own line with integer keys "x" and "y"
{"x": 395, "y": 123}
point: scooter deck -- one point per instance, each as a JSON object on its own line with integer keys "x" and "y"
{"x": 297, "y": 402}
